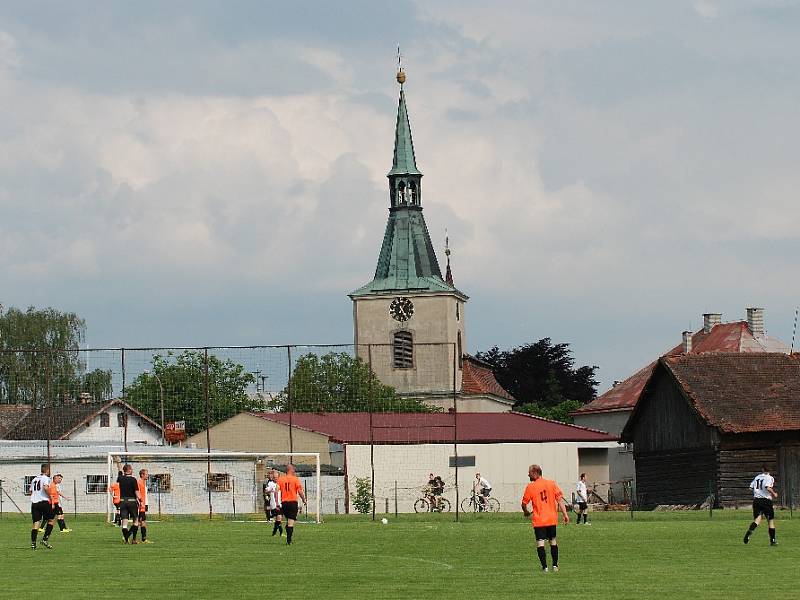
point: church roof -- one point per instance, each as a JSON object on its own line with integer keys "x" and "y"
{"x": 404, "y": 162}
{"x": 407, "y": 261}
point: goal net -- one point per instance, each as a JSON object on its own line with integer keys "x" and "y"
{"x": 216, "y": 484}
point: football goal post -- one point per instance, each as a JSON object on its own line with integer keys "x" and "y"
{"x": 215, "y": 484}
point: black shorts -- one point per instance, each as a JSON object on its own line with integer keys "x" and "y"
{"x": 128, "y": 509}
{"x": 57, "y": 510}
{"x": 545, "y": 533}
{"x": 763, "y": 506}
{"x": 289, "y": 510}
{"x": 582, "y": 505}
{"x": 41, "y": 510}
{"x": 486, "y": 492}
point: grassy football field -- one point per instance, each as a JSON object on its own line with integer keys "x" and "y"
{"x": 656, "y": 555}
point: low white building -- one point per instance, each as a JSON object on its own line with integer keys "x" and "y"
{"x": 191, "y": 483}
{"x": 407, "y": 447}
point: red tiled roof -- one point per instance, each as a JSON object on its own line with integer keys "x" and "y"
{"x": 478, "y": 378}
{"x": 741, "y": 393}
{"x": 725, "y": 337}
{"x": 433, "y": 428}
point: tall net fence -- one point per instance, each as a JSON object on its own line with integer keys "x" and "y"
{"x": 387, "y": 420}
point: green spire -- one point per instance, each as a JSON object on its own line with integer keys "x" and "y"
{"x": 404, "y": 162}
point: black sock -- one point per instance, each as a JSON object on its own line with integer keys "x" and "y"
{"x": 751, "y": 529}
{"x": 585, "y": 518}
{"x": 61, "y": 525}
{"x": 144, "y": 532}
{"x": 554, "y": 555}
{"x": 289, "y": 531}
{"x": 34, "y": 534}
{"x": 275, "y": 527}
{"x": 125, "y": 533}
{"x": 47, "y": 531}
{"x": 771, "y": 534}
{"x": 134, "y": 529}
{"x": 542, "y": 556}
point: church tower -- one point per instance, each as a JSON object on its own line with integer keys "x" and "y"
{"x": 409, "y": 321}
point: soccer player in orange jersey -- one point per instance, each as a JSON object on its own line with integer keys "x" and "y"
{"x": 55, "y": 502}
{"x": 115, "y": 498}
{"x": 546, "y": 499}
{"x": 142, "y": 486}
{"x": 290, "y": 488}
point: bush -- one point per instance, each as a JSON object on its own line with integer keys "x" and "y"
{"x": 362, "y": 499}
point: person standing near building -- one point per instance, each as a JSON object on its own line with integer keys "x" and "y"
{"x": 763, "y": 493}
{"x": 582, "y": 499}
{"x": 55, "y": 502}
{"x": 290, "y": 488}
{"x": 546, "y": 500}
{"x": 41, "y": 507}
{"x": 129, "y": 502}
{"x": 141, "y": 485}
{"x": 113, "y": 489}
{"x": 272, "y": 501}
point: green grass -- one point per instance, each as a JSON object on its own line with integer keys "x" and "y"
{"x": 656, "y": 555}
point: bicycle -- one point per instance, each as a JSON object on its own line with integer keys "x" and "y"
{"x": 424, "y": 504}
{"x": 473, "y": 503}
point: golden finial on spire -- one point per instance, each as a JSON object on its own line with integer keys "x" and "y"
{"x": 401, "y": 75}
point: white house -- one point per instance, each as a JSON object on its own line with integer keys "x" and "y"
{"x": 90, "y": 422}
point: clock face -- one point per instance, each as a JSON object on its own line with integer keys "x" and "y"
{"x": 401, "y": 309}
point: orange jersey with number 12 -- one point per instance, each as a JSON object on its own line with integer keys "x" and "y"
{"x": 544, "y": 495}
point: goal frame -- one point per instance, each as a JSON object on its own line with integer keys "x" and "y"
{"x": 215, "y": 456}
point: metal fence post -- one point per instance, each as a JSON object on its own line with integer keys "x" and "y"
{"x": 711, "y": 498}
{"x": 395, "y": 498}
{"x": 208, "y": 430}
{"x": 289, "y": 398}
{"x": 371, "y": 432}
{"x": 75, "y": 497}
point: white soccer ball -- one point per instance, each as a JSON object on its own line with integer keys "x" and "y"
{"x": 385, "y": 521}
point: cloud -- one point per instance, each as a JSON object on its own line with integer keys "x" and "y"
{"x": 706, "y": 8}
{"x": 218, "y": 176}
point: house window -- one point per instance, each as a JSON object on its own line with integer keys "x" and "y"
{"x": 122, "y": 419}
{"x": 27, "y": 484}
{"x": 460, "y": 353}
{"x": 218, "y": 482}
{"x": 625, "y": 448}
{"x": 96, "y": 484}
{"x": 458, "y": 311}
{"x": 403, "y": 350}
{"x": 462, "y": 461}
{"x": 159, "y": 482}
{"x": 105, "y": 420}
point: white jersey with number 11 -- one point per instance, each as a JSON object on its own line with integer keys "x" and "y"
{"x": 760, "y": 484}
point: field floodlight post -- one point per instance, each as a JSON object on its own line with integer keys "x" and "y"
{"x": 175, "y": 457}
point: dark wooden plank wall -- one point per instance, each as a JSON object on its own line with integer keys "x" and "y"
{"x": 666, "y": 421}
{"x": 738, "y": 467}
{"x": 675, "y": 477}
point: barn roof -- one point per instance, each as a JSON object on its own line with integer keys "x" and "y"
{"x": 58, "y": 422}
{"x": 420, "y": 428}
{"x": 733, "y": 337}
{"x": 741, "y": 393}
{"x": 479, "y": 379}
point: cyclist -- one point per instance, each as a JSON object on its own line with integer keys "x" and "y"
{"x": 435, "y": 490}
{"x": 482, "y": 489}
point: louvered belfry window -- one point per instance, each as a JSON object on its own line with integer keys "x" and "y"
{"x": 403, "y": 347}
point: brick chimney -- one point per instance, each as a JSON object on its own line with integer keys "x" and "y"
{"x": 755, "y": 321}
{"x": 687, "y": 342}
{"x": 710, "y": 320}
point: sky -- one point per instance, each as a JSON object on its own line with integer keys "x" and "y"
{"x": 209, "y": 173}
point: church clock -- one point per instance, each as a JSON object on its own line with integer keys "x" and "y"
{"x": 401, "y": 309}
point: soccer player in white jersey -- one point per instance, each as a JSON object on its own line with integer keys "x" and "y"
{"x": 582, "y": 499}
{"x": 41, "y": 507}
{"x": 273, "y": 501}
{"x": 763, "y": 493}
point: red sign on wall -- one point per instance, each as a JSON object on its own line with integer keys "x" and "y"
{"x": 175, "y": 431}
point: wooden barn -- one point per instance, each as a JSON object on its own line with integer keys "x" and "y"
{"x": 706, "y": 423}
